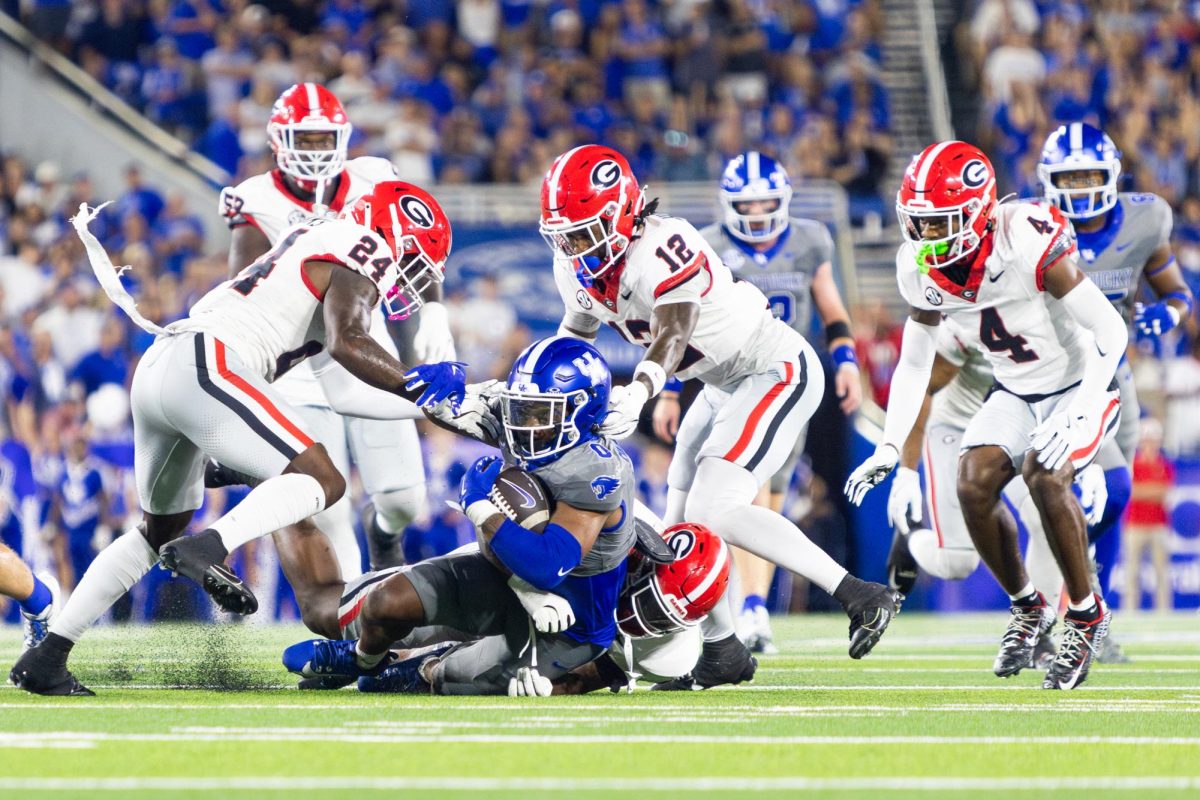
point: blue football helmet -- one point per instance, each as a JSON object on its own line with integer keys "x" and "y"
{"x": 748, "y": 177}
{"x": 557, "y": 392}
{"x": 1080, "y": 147}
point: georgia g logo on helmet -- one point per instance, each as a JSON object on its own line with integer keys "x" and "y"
{"x": 605, "y": 174}
{"x": 975, "y": 174}
{"x": 681, "y": 543}
{"x": 417, "y": 211}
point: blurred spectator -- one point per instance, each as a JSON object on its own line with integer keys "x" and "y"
{"x": 167, "y": 87}
{"x": 1147, "y": 526}
{"x": 642, "y": 47}
{"x": 22, "y": 280}
{"x": 80, "y": 507}
{"x": 115, "y": 32}
{"x": 481, "y": 325}
{"x": 72, "y": 326}
{"x": 1181, "y": 386}
{"x": 745, "y": 76}
{"x": 108, "y": 363}
{"x": 227, "y": 69}
{"x": 877, "y": 340}
{"x": 138, "y": 197}
{"x": 861, "y": 167}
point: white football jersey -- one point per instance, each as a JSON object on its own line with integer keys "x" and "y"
{"x": 959, "y": 400}
{"x": 736, "y": 334}
{"x": 1032, "y": 342}
{"x": 265, "y": 202}
{"x": 269, "y": 313}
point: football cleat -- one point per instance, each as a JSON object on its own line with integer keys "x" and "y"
{"x": 1080, "y": 640}
{"x": 1044, "y": 652}
{"x": 36, "y": 626}
{"x": 327, "y": 658}
{"x": 1108, "y": 651}
{"x": 725, "y": 661}
{"x": 871, "y": 608}
{"x": 217, "y": 476}
{"x": 1027, "y": 625}
{"x": 759, "y": 638}
{"x": 901, "y": 566}
{"x": 403, "y": 677}
{"x": 384, "y": 550}
{"x": 202, "y": 558}
{"x": 42, "y": 670}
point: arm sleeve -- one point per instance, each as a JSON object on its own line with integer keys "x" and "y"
{"x": 1088, "y": 306}
{"x": 351, "y": 397}
{"x": 541, "y": 559}
{"x": 576, "y": 321}
{"x": 909, "y": 382}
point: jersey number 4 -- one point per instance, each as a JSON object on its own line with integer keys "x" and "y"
{"x": 251, "y": 275}
{"x": 995, "y": 337}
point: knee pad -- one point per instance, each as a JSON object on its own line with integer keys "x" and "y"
{"x": 951, "y": 564}
{"x": 719, "y": 487}
{"x": 397, "y": 508}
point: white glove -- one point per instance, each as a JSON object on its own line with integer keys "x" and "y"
{"x": 1093, "y": 492}
{"x": 871, "y": 473}
{"x": 433, "y": 341}
{"x": 624, "y": 407}
{"x": 529, "y": 683}
{"x": 477, "y": 415}
{"x": 550, "y": 613}
{"x": 1052, "y": 440}
{"x": 905, "y": 501}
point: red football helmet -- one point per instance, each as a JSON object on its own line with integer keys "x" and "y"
{"x": 413, "y": 223}
{"x": 677, "y": 595}
{"x": 945, "y": 202}
{"x": 590, "y": 199}
{"x": 308, "y": 108}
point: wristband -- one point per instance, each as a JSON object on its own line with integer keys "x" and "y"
{"x": 480, "y": 512}
{"x": 838, "y": 329}
{"x": 1183, "y": 297}
{"x": 844, "y": 354}
{"x": 673, "y": 385}
{"x": 654, "y": 372}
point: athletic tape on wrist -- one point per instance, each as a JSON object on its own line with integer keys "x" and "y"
{"x": 654, "y": 372}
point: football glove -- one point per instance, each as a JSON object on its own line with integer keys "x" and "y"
{"x": 871, "y": 473}
{"x": 549, "y": 612}
{"x": 475, "y": 415}
{"x": 445, "y": 380}
{"x": 1052, "y": 440}
{"x": 528, "y": 682}
{"x": 478, "y": 480}
{"x": 1093, "y": 492}
{"x": 433, "y": 341}
{"x": 624, "y": 408}
{"x": 1155, "y": 319}
{"x": 905, "y": 501}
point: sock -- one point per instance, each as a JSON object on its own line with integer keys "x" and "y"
{"x": 1027, "y": 596}
{"x": 116, "y": 569}
{"x": 676, "y": 500}
{"x": 273, "y": 504}
{"x": 1084, "y": 608}
{"x": 722, "y": 498}
{"x": 753, "y": 602}
{"x": 37, "y": 601}
{"x": 367, "y": 660}
{"x": 719, "y": 622}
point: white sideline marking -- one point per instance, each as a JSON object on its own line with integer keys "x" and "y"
{"x": 804, "y": 670}
{"x": 673, "y": 785}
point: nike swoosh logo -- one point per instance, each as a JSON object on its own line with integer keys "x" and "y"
{"x": 627, "y": 295}
{"x": 529, "y": 501}
{"x": 562, "y": 572}
{"x": 1121, "y": 247}
{"x": 996, "y": 277}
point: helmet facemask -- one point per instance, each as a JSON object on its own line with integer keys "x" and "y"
{"x": 757, "y": 227}
{"x": 1081, "y": 190}
{"x": 592, "y": 244}
{"x": 540, "y": 424}
{"x": 646, "y": 611}
{"x": 955, "y": 232}
{"x": 296, "y": 157}
{"x": 417, "y": 273}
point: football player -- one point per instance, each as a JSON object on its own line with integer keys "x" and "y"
{"x": 1009, "y": 272}
{"x": 791, "y": 261}
{"x": 1122, "y": 237}
{"x": 550, "y": 410}
{"x": 204, "y": 389}
{"x": 308, "y": 133}
{"x": 662, "y": 286}
{"x": 37, "y": 595}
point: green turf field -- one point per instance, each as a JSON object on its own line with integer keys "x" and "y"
{"x": 922, "y": 715}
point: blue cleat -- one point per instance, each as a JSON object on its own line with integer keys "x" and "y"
{"x": 402, "y": 677}
{"x": 318, "y": 658}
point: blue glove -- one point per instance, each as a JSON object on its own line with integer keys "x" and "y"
{"x": 1156, "y": 319}
{"x": 443, "y": 380}
{"x": 478, "y": 480}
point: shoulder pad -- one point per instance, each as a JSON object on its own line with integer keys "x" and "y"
{"x": 376, "y": 170}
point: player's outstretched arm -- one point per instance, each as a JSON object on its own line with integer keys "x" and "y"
{"x": 905, "y": 501}
{"x": 847, "y": 379}
{"x": 909, "y": 384}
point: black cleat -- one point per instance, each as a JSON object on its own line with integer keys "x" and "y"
{"x": 871, "y": 608}
{"x": 1080, "y": 640}
{"x": 1029, "y": 623}
{"x": 217, "y": 476}
{"x": 384, "y": 550}
{"x": 202, "y": 558}
{"x": 43, "y": 670}
{"x": 902, "y": 568}
{"x": 725, "y": 661}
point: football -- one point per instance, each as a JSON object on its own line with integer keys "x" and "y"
{"x": 521, "y": 497}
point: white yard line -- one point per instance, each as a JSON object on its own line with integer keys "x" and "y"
{"x": 673, "y": 785}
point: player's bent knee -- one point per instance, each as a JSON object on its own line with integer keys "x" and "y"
{"x": 316, "y": 463}
{"x": 395, "y": 510}
{"x": 1041, "y": 480}
{"x": 158, "y": 529}
{"x": 947, "y": 563}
